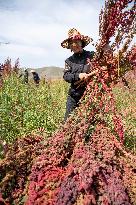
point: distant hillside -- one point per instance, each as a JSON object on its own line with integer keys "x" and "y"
{"x": 51, "y": 72}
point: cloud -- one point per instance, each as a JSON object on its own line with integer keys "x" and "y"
{"x": 35, "y": 29}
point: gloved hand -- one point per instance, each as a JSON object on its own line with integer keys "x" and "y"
{"x": 83, "y": 76}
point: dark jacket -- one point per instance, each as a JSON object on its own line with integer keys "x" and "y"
{"x": 74, "y": 65}
{"x": 36, "y": 78}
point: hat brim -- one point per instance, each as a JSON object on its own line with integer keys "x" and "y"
{"x": 32, "y": 71}
{"x": 85, "y": 40}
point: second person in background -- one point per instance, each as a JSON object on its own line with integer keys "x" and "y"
{"x": 36, "y": 77}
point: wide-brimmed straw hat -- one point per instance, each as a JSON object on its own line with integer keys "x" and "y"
{"x": 32, "y": 71}
{"x": 73, "y": 34}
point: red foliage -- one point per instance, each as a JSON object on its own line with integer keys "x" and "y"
{"x": 95, "y": 170}
{"x": 6, "y": 69}
{"x": 15, "y": 167}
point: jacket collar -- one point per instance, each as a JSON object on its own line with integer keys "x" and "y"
{"x": 79, "y": 54}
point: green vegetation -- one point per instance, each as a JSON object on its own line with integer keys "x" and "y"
{"x": 126, "y": 104}
{"x": 27, "y": 108}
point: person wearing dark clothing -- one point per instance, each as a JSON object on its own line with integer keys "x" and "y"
{"x": 1, "y": 77}
{"x": 36, "y": 77}
{"x": 24, "y": 76}
{"x": 76, "y": 68}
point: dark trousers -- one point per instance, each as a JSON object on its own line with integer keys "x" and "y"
{"x": 71, "y": 104}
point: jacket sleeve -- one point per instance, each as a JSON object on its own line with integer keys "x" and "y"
{"x": 70, "y": 76}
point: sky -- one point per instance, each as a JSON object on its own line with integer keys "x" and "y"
{"x": 35, "y": 29}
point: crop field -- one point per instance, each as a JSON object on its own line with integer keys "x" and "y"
{"x": 26, "y": 109}
{"x": 90, "y": 159}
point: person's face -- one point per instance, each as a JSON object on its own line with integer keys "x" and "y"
{"x": 76, "y": 46}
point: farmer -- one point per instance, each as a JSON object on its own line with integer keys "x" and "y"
{"x": 36, "y": 77}
{"x": 1, "y": 77}
{"x": 76, "y": 67}
{"x": 24, "y": 74}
